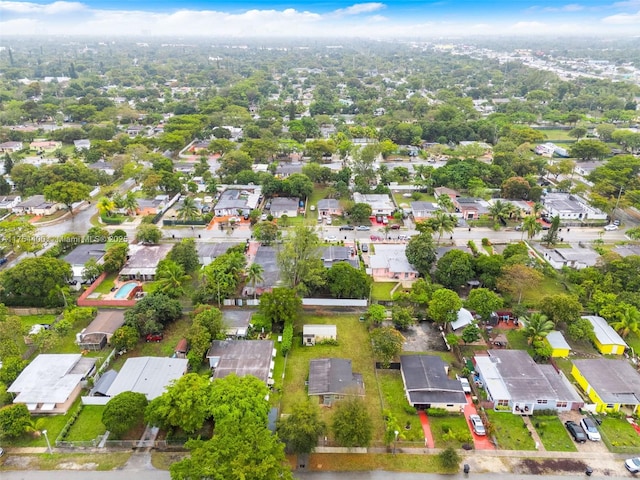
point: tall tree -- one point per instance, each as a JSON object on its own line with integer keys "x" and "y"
{"x": 387, "y": 344}
{"x": 537, "y": 326}
{"x": 421, "y": 253}
{"x": 454, "y": 269}
{"x": 301, "y": 429}
{"x": 531, "y": 225}
{"x": 483, "y": 301}
{"x": 67, "y": 193}
{"x": 255, "y": 275}
{"x": 188, "y": 210}
{"x": 443, "y": 222}
{"x": 280, "y": 306}
{"x": 352, "y": 426}
{"x": 299, "y": 260}
{"x": 515, "y": 279}
{"x": 444, "y": 306}
{"x": 124, "y": 412}
{"x": 345, "y": 281}
{"x": 628, "y": 322}
{"x": 106, "y": 206}
{"x": 170, "y": 278}
{"x": 148, "y": 233}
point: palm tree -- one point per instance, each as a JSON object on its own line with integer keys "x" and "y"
{"x": 106, "y": 206}
{"x": 531, "y": 226}
{"x": 170, "y": 278}
{"x": 537, "y": 327}
{"x": 254, "y": 275}
{"x": 499, "y": 211}
{"x": 628, "y": 322}
{"x": 445, "y": 203}
{"x": 130, "y": 203}
{"x": 189, "y": 210}
{"x": 443, "y": 222}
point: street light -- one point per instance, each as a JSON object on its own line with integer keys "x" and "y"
{"x": 46, "y": 437}
{"x": 396, "y": 432}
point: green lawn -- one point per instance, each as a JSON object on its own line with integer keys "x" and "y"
{"x": 353, "y": 343}
{"x": 553, "y": 434}
{"x": 510, "y": 431}
{"x": 549, "y": 286}
{"x": 53, "y": 424}
{"x": 382, "y": 290}
{"x": 395, "y": 400}
{"x": 619, "y": 435}
{"x": 107, "y": 284}
{"x": 317, "y": 194}
{"x": 516, "y": 338}
{"x": 88, "y": 425}
{"x": 557, "y": 135}
{"x": 450, "y": 431}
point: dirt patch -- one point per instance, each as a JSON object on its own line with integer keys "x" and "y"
{"x": 77, "y": 466}
{"x": 18, "y": 462}
{"x": 531, "y": 466}
{"x": 423, "y": 337}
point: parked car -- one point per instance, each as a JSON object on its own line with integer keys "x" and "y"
{"x": 347, "y": 227}
{"x": 363, "y": 228}
{"x": 364, "y": 247}
{"x": 331, "y": 239}
{"x": 576, "y": 431}
{"x": 610, "y": 227}
{"x": 3, "y": 260}
{"x": 1, "y": 451}
{"x": 328, "y": 221}
{"x": 477, "y": 425}
{"x": 616, "y": 222}
{"x": 395, "y": 226}
{"x": 263, "y": 217}
{"x": 589, "y": 427}
{"x": 466, "y": 387}
{"x": 633, "y": 464}
{"x": 154, "y": 337}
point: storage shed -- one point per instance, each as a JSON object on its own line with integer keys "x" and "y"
{"x": 318, "y": 333}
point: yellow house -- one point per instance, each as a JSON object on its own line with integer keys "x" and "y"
{"x": 607, "y": 340}
{"x": 610, "y": 384}
{"x": 559, "y": 346}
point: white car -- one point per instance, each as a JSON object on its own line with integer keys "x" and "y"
{"x": 589, "y": 427}
{"x": 363, "y": 228}
{"x": 610, "y": 227}
{"x": 466, "y": 387}
{"x": 633, "y": 464}
{"x": 477, "y": 425}
{"x": 331, "y": 239}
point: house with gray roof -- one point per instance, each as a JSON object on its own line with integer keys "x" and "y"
{"x": 143, "y": 261}
{"x": 238, "y": 199}
{"x": 242, "y": 357}
{"x": 52, "y": 382}
{"x": 328, "y": 206}
{"x": 390, "y": 261}
{"x": 284, "y": 206}
{"x": 331, "y": 379}
{"x": 427, "y": 383}
{"x": 607, "y": 340}
{"x": 577, "y": 258}
{"x": 80, "y": 255}
{"x": 99, "y": 332}
{"x": 283, "y": 170}
{"x": 147, "y": 375}
{"x": 610, "y": 384}
{"x": 208, "y": 252}
{"x": 423, "y": 210}
{"x": 515, "y": 383}
{"x": 570, "y": 207}
{"x": 333, "y": 254}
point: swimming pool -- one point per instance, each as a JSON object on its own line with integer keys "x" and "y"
{"x": 125, "y": 290}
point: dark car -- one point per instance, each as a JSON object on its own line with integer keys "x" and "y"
{"x": 576, "y": 431}
{"x": 3, "y": 260}
{"x": 154, "y": 337}
{"x": 347, "y": 227}
{"x": 395, "y": 226}
{"x": 364, "y": 247}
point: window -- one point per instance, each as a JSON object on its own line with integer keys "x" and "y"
{"x": 610, "y": 406}
{"x": 562, "y": 404}
{"x": 542, "y": 402}
{"x": 503, "y": 403}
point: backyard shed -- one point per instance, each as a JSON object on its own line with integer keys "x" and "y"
{"x": 311, "y": 334}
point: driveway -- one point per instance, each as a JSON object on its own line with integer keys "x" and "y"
{"x": 480, "y": 442}
{"x": 587, "y": 447}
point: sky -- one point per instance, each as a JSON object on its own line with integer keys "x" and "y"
{"x": 391, "y": 19}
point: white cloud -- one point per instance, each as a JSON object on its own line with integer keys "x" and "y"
{"x": 359, "y": 8}
{"x": 623, "y": 19}
{"x": 627, "y": 4}
{"x": 573, "y": 7}
{"x": 37, "y": 8}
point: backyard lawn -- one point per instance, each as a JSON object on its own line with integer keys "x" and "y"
{"x": 450, "y": 431}
{"x": 531, "y": 297}
{"x": 516, "y": 338}
{"x": 395, "y": 400}
{"x": 382, "y": 290}
{"x": 553, "y": 434}
{"x": 619, "y": 435}
{"x": 354, "y": 345}
{"x": 107, "y": 284}
{"x": 510, "y": 431}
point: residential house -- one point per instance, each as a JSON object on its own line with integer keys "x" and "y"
{"x": 523, "y": 207}
{"x": 45, "y": 145}
{"x": 237, "y": 321}
{"x": 611, "y": 384}
{"x": 83, "y": 144}
{"x": 7, "y": 202}
{"x": 143, "y": 261}
{"x": 238, "y": 199}
{"x": 11, "y": 147}
{"x": 452, "y": 194}
{"x": 607, "y": 340}
{"x": 585, "y": 168}
{"x": 514, "y": 382}
{"x": 333, "y": 254}
{"x": 80, "y": 255}
{"x": 147, "y": 375}
{"x": 577, "y": 258}
{"x": 627, "y": 250}
{"x": 311, "y": 334}
{"x": 390, "y": 261}
{"x": 135, "y": 130}
{"x": 242, "y": 357}
{"x": 208, "y": 252}
{"x": 558, "y": 344}
{"x": 99, "y": 332}
{"x": 36, "y": 205}
{"x": 283, "y": 170}
{"x": 331, "y": 379}
{"x": 427, "y": 383}
{"x": 266, "y": 257}
{"x": 470, "y": 208}
{"x": 328, "y": 207}
{"x": 570, "y": 207}
{"x": 423, "y": 210}
{"x": 152, "y": 206}
{"x": 284, "y": 206}
{"x": 102, "y": 166}
{"x": 463, "y": 318}
{"x": 381, "y": 204}
{"x": 51, "y": 383}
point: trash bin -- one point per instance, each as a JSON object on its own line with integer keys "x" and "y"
{"x": 588, "y": 471}
{"x": 466, "y": 468}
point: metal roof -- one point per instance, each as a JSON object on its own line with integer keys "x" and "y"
{"x": 426, "y": 380}
{"x": 556, "y": 340}
{"x": 603, "y": 331}
{"x": 322, "y": 330}
{"x": 463, "y": 319}
{"x": 242, "y": 357}
{"x": 148, "y": 375}
{"x": 333, "y": 376}
{"x": 615, "y": 381}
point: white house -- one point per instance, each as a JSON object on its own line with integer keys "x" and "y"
{"x": 311, "y": 334}
{"x": 570, "y": 207}
{"x": 381, "y": 204}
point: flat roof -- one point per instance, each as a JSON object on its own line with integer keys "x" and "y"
{"x": 51, "y": 378}
{"x": 328, "y": 330}
{"x": 148, "y": 375}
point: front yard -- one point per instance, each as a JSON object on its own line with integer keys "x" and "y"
{"x": 619, "y": 435}
{"x": 510, "y": 431}
{"x": 381, "y": 291}
{"x": 553, "y": 434}
{"x": 450, "y": 431}
{"x": 353, "y": 343}
{"x": 395, "y": 401}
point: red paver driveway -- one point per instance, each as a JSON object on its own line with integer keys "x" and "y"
{"x": 480, "y": 442}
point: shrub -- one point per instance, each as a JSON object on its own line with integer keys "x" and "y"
{"x": 486, "y": 242}
{"x": 287, "y": 338}
{"x": 437, "y": 412}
